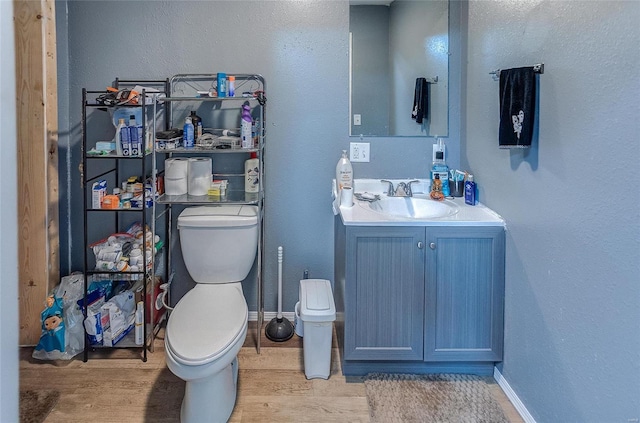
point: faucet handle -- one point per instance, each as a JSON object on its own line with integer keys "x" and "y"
{"x": 409, "y": 190}
{"x": 390, "y": 191}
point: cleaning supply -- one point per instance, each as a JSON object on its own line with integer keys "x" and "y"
{"x": 135, "y": 136}
{"x": 245, "y": 127}
{"x": 188, "y": 133}
{"x": 122, "y": 139}
{"x": 252, "y": 174}
{"x": 222, "y": 84}
{"x": 139, "y": 321}
{"x": 197, "y": 125}
{"x": 344, "y": 173}
{"x": 470, "y": 188}
{"x": 439, "y": 167}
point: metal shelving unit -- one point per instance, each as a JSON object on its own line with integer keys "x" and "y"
{"x": 185, "y": 94}
{"x": 100, "y": 223}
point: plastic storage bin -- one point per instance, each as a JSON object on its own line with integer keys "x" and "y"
{"x": 317, "y": 312}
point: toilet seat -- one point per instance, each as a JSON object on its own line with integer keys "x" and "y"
{"x": 206, "y": 323}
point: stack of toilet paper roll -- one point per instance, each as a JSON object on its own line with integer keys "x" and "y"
{"x": 187, "y": 176}
{"x": 175, "y": 176}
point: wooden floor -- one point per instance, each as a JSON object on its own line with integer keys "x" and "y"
{"x": 272, "y": 387}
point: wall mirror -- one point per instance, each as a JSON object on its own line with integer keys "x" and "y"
{"x": 391, "y": 44}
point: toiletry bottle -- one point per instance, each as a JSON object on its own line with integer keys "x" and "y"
{"x": 439, "y": 167}
{"x": 135, "y": 135}
{"x": 252, "y": 174}
{"x": 197, "y": 125}
{"x": 139, "y": 321}
{"x": 231, "y": 85}
{"x": 436, "y": 188}
{"x": 187, "y": 134}
{"x": 222, "y": 84}
{"x": 245, "y": 127}
{"x": 344, "y": 173}
{"x": 470, "y": 191}
{"x": 122, "y": 137}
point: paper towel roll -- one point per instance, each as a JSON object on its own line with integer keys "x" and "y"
{"x": 176, "y": 172}
{"x": 199, "y": 175}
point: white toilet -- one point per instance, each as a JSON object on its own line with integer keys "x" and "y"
{"x": 208, "y": 326}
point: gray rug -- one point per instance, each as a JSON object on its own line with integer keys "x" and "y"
{"x": 441, "y": 398}
{"x": 35, "y": 406}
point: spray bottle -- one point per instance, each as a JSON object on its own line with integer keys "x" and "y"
{"x": 188, "y": 133}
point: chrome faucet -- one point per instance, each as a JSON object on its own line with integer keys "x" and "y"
{"x": 402, "y": 190}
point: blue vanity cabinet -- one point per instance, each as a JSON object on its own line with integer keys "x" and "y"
{"x": 465, "y": 293}
{"x": 384, "y": 293}
{"x": 419, "y": 299}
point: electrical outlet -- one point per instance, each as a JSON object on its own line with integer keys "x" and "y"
{"x": 359, "y": 152}
{"x": 357, "y": 120}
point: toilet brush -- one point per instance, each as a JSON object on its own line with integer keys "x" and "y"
{"x": 279, "y": 329}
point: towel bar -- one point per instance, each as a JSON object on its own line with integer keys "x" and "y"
{"x": 537, "y": 68}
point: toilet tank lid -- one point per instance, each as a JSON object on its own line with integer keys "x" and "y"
{"x": 218, "y": 216}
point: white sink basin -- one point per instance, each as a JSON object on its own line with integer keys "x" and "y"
{"x": 412, "y": 207}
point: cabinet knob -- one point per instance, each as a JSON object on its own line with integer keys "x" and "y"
{"x": 420, "y": 245}
{"x": 432, "y": 245}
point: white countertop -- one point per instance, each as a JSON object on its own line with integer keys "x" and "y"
{"x": 361, "y": 215}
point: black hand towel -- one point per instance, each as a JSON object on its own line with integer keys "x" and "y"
{"x": 420, "y": 100}
{"x": 517, "y": 107}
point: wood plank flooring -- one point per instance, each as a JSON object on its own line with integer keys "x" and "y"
{"x": 118, "y": 387}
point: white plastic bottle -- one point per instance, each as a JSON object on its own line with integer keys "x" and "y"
{"x": 188, "y": 133}
{"x": 119, "y": 137}
{"x": 139, "y": 321}
{"x": 245, "y": 127}
{"x": 252, "y": 174}
{"x": 344, "y": 172}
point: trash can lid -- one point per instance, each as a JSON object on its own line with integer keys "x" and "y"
{"x": 316, "y": 301}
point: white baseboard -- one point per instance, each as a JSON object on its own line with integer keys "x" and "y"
{"x": 268, "y": 315}
{"x": 513, "y": 397}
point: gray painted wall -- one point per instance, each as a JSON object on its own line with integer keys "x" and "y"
{"x": 301, "y": 48}
{"x": 572, "y": 345}
{"x": 8, "y": 219}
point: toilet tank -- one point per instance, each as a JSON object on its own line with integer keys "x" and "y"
{"x": 219, "y": 243}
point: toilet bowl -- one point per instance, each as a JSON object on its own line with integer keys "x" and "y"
{"x": 208, "y": 326}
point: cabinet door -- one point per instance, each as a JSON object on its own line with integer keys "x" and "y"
{"x": 465, "y": 294}
{"x": 384, "y": 294}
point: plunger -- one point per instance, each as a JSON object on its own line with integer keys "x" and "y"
{"x": 279, "y": 329}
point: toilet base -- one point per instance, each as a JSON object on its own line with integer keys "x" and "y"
{"x": 211, "y": 400}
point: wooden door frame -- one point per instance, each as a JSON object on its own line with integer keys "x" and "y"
{"x": 37, "y": 128}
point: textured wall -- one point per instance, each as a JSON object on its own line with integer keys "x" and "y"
{"x": 301, "y": 48}
{"x": 572, "y": 347}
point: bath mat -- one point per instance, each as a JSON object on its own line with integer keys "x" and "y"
{"x": 442, "y": 398}
{"x": 35, "y": 406}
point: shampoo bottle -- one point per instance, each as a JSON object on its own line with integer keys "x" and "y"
{"x": 245, "y": 127}
{"x": 344, "y": 173}
{"x": 252, "y": 174}
{"x": 121, "y": 131}
{"x": 187, "y": 133}
{"x": 470, "y": 191}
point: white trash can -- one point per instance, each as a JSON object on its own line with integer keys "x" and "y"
{"x": 317, "y": 312}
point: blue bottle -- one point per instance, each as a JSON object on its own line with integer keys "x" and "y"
{"x": 187, "y": 133}
{"x": 470, "y": 197}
